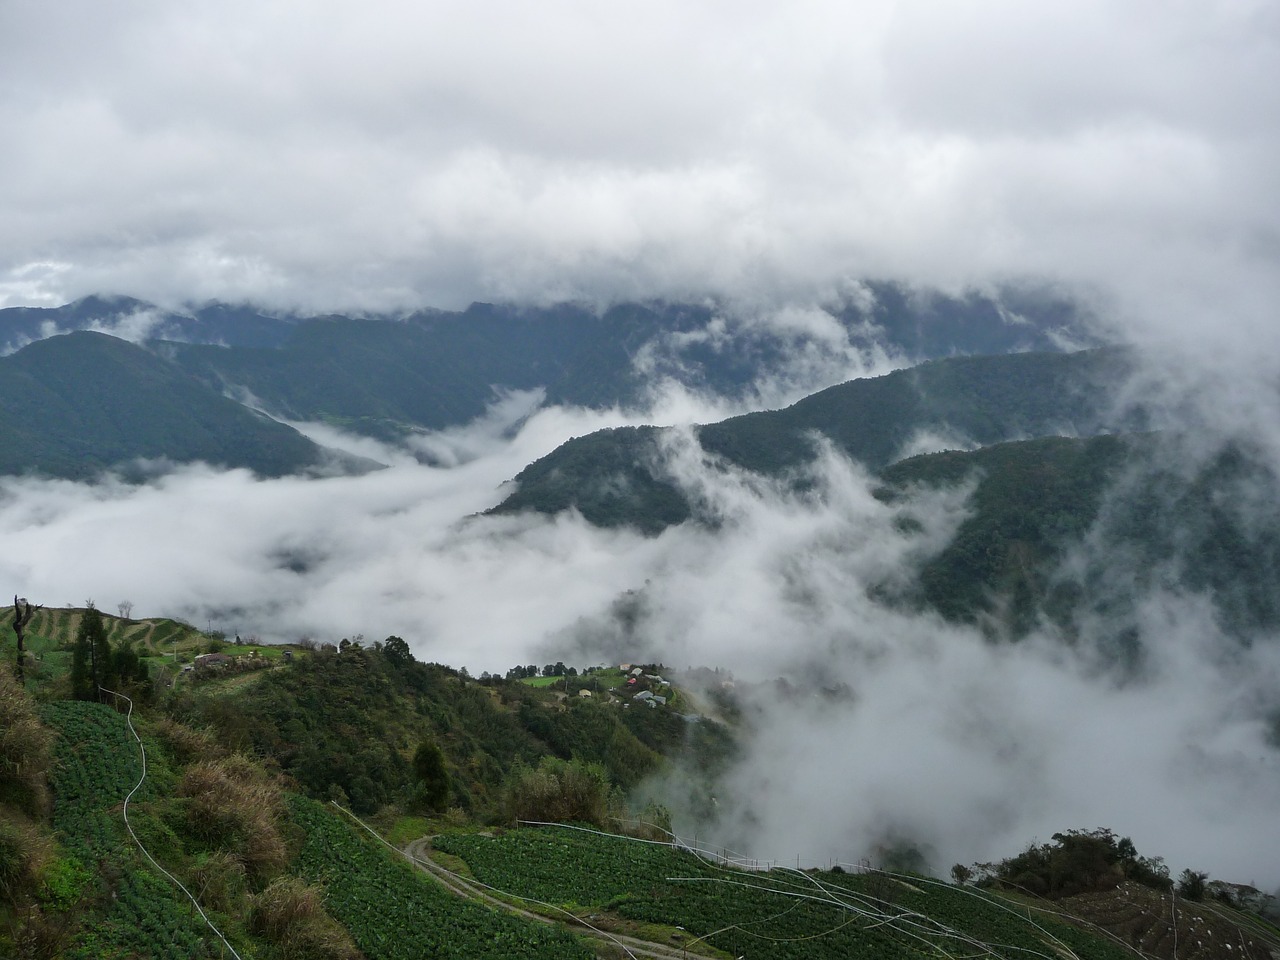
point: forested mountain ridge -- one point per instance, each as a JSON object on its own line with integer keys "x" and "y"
{"x": 616, "y": 477}
{"x": 384, "y": 375}
{"x": 73, "y": 405}
{"x": 1139, "y": 509}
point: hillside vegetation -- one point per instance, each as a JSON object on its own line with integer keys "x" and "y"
{"x": 74, "y": 405}
{"x": 619, "y": 477}
{"x": 251, "y": 795}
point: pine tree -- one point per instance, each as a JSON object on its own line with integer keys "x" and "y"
{"x": 91, "y": 657}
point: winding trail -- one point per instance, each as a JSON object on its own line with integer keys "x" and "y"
{"x": 418, "y": 853}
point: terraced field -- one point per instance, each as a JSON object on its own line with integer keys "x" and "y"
{"x": 1161, "y": 926}
{"x": 395, "y": 913}
{"x": 782, "y": 914}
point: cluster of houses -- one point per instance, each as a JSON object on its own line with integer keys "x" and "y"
{"x": 211, "y": 664}
{"x": 642, "y": 685}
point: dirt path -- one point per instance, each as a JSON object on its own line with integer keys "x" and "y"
{"x": 418, "y": 853}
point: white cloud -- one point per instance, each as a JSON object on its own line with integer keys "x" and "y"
{"x": 397, "y": 155}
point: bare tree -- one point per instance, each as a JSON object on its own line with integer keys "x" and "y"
{"x": 21, "y": 617}
{"x": 126, "y": 609}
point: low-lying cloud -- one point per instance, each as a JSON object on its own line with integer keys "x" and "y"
{"x": 894, "y": 725}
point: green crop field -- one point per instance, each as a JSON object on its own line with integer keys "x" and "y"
{"x": 777, "y": 914}
{"x": 395, "y": 912}
{"x": 97, "y": 764}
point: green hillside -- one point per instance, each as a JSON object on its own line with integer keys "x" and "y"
{"x": 615, "y": 477}
{"x": 271, "y": 804}
{"x": 1159, "y": 512}
{"x": 73, "y": 405}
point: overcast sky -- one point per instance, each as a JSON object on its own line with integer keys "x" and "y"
{"x": 395, "y": 154}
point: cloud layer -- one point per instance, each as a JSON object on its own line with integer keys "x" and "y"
{"x": 397, "y": 154}
{"x": 927, "y": 733}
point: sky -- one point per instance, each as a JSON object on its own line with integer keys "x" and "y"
{"x": 390, "y": 156}
{"x": 402, "y": 154}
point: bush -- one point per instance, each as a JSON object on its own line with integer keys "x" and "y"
{"x": 559, "y": 791}
{"x": 1191, "y": 884}
{"x": 235, "y": 806}
{"x": 291, "y": 914}
{"x": 24, "y": 749}
{"x": 218, "y": 880}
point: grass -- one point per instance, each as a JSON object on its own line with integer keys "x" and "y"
{"x": 542, "y": 681}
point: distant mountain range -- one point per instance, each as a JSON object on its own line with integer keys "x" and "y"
{"x": 73, "y": 405}
{"x": 1045, "y": 443}
{"x": 443, "y": 363}
{"x": 618, "y": 477}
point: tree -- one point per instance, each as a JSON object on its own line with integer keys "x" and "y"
{"x": 397, "y": 651}
{"x": 1191, "y": 884}
{"x": 126, "y": 609}
{"x": 433, "y": 777}
{"x": 91, "y": 665}
{"x": 21, "y": 617}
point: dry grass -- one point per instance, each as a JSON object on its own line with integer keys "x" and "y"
{"x": 24, "y": 749}
{"x": 185, "y": 744}
{"x": 291, "y": 914}
{"x": 25, "y": 851}
{"x": 236, "y": 805}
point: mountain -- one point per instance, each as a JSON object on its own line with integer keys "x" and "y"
{"x": 73, "y": 405}
{"x": 1143, "y": 511}
{"x": 616, "y": 477}
{"x": 136, "y": 319}
{"x": 431, "y": 369}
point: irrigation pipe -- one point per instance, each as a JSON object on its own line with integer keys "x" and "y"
{"x": 992, "y": 901}
{"x": 128, "y": 826}
{"x": 907, "y": 919}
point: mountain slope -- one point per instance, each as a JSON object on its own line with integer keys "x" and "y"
{"x": 73, "y": 405}
{"x": 435, "y": 368}
{"x": 616, "y": 477}
{"x": 1141, "y": 511}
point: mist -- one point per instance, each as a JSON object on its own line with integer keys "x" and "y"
{"x": 893, "y": 727}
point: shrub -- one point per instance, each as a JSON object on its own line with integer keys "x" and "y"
{"x": 218, "y": 880}
{"x": 236, "y": 806}
{"x": 559, "y": 791}
{"x": 291, "y": 914}
{"x": 24, "y": 749}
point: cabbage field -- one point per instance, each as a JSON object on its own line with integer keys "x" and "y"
{"x": 774, "y": 915}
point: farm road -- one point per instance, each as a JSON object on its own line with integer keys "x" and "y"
{"x": 418, "y": 853}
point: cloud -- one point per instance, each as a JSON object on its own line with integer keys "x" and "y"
{"x": 895, "y": 724}
{"x": 395, "y": 155}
